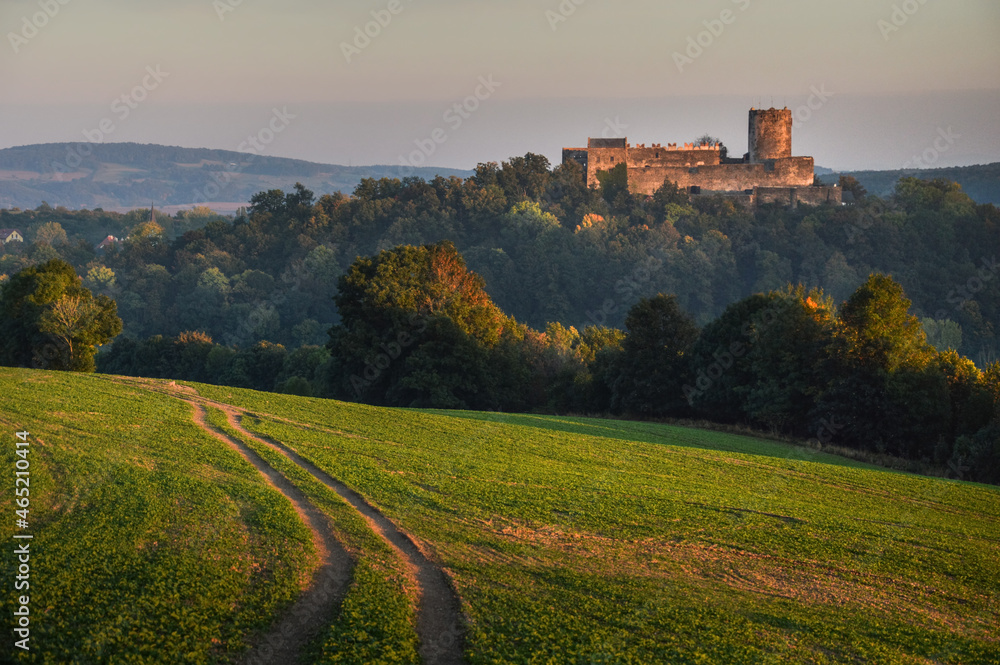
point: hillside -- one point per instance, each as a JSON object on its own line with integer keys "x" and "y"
{"x": 980, "y": 182}
{"x": 127, "y": 175}
{"x": 184, "y": 523}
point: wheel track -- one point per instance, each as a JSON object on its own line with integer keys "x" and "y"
{"x": 440, "y": 625}
{"x": 439, "y": 617}
{"x": 316, "y": 607}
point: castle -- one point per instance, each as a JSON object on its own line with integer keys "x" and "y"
{"x": 767, "y": 173}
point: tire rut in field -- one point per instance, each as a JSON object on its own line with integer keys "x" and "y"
{"x": 317, "y": 606}
{"x": 439, "y": 617}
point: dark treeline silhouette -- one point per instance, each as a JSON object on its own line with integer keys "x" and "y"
{"x": 419, "y": 330}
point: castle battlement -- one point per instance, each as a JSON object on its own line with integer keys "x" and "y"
{"x": 673, "y": 146}
{"x": 768, "y": 162}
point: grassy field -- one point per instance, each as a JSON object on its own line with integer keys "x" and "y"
{"x": 152, "y": 542}
{"x": 568, "y": 540}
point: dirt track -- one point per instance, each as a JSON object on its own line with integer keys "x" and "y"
{"x": 316, "y": 608}
{"x": 440, "y": 625}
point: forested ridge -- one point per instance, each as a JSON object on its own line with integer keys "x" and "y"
{"x": 561, "y": 311}
{"x": 549, "y": 250}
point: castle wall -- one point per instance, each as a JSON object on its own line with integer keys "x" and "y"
{"x": 604, "y": 159}
{"x": 641, "y": 157}
{"x": 770, "y": 134}
{"x": 791, "y": 172}
{"x": 792, "y": 196}
{"x": 770, "y": 165}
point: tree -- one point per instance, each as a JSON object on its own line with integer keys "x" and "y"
{"x": 52, "y": 234}
{"x": 710, "y": 140}
{"x": 49, "y": 320}
{"x": 653, "y": 363}
{"x": 101, "y": 279}
{"x": 881, "y": 386}
{"x": 788, "y": 342}
{"x": 942, "y": 335}
{"x": 614, "y": 186}
{"x": 850, "y": 184}
{"x": 719, "y": 362}
{"x": 417, "y": 328}
{"x": 271, "y": 202}
{"x": 879, "y": 333}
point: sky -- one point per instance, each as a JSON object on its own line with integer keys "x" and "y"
{"x": 872, "y": 83}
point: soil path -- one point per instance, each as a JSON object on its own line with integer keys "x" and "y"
{"x": 439, "y": 616}
{"x": 316, "y": 607}
{"x": 440, "y": 626}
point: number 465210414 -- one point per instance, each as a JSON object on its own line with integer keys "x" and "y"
{"x": 23, "y": 480}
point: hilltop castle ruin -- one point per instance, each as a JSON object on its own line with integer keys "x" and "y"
{"x": 767, "y": 173}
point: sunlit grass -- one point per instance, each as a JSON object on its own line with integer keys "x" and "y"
{"x": 569, "y": 539}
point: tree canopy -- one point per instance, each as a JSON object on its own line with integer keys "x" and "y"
{"x": 49, "y": 320}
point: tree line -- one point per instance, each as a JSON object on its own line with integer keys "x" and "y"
{"x": 548, "y": 248}
{"x": 561, "y": 308}
{"x": 418, "y": 329}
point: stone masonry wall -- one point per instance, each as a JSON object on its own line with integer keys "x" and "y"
{"x": 791, "y": 172}
{"x": 793, "y": 196}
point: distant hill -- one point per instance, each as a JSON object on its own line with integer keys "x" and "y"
{"x": 127, "y": 175}
{"x": 980, "y": 182}
{"x": 119, "y": 176}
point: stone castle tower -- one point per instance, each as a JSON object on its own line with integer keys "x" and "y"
{"x": 770, "y": 134}
{"x": 767, "y": 172}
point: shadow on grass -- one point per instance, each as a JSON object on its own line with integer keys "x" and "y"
{"x": 659, "y": 433}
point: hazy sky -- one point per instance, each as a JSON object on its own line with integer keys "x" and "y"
{"x": 892, "y": 76}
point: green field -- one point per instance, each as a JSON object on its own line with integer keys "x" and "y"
{"x": 567, "y": 540}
